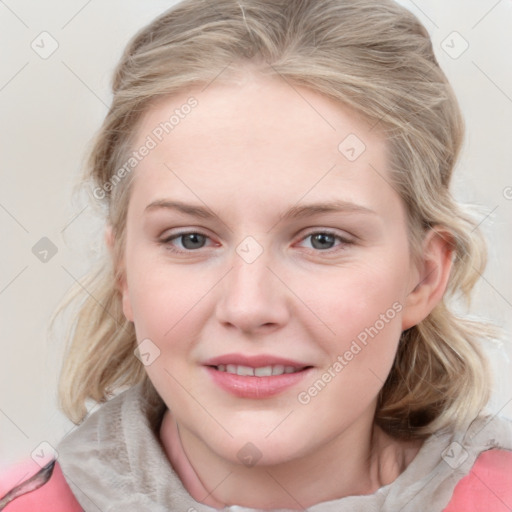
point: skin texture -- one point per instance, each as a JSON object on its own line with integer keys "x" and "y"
{"x": 248, "y": 152}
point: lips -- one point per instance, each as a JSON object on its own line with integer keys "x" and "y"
{"x": 259, "y": 376}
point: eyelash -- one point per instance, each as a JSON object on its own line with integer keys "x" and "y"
{"x": 343, "y": 241}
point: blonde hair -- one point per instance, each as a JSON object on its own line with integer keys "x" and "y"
{"x": 372, "y": 56}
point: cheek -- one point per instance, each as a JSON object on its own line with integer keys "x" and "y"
{"x": 366, "y": 320}
{"x": 167, "y": 310}
{"x": 151, "y": 287}
{"x": 362, "y": 308}
{"x": 168, "y": 303}
{"x": 357, "y": 299}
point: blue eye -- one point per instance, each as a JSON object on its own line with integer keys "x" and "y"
{"x": 322, "y": 240}
{"x": 325, "y": 240}
{"x": 190, "y": 241}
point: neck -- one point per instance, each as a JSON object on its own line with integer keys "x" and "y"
{"x": 358, "y": 461}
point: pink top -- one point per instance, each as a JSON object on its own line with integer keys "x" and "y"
{"x": 488, "y": 486}
{"x": 52, "y": 496}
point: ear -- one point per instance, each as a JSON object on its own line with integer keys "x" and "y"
{"x": 432, "y": 274}
{"x": 121, "y": 280}
{"x": 109, "y": 238}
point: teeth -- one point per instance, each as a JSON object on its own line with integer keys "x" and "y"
{"x": 278, "y": 369}
{"x": 263, "y": 371}
{"x": 245, "y": 370}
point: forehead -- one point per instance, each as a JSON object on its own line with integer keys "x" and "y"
{"x": 261, "y": 140}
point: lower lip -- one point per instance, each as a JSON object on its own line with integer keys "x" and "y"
{"x": 255, "y": 387}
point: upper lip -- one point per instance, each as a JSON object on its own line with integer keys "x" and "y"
{"x": 257, "y": 361}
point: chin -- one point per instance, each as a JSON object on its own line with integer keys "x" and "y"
{"x": 259, "y": 444}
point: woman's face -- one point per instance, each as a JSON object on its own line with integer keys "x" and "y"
{"x": 267, "y": 267}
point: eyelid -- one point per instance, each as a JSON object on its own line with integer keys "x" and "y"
{"x": 330, "y": 231}
{"x": 177, "y": 234}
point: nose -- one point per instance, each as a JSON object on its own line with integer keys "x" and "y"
{"x": 253, "y": 298}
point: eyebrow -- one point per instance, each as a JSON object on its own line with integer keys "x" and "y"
{"x": 295, "y": 212}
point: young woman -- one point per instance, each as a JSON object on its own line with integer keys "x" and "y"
{"x": 274, "y": 314}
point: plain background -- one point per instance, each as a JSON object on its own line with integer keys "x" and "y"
{"x": 52, "y": 106}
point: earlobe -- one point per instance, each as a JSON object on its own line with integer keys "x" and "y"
{"x": 121, "y": 283}
{"x": 433, "y": 273}
{"x": 109, "y": 237}
{"x": 127, "y": 306}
